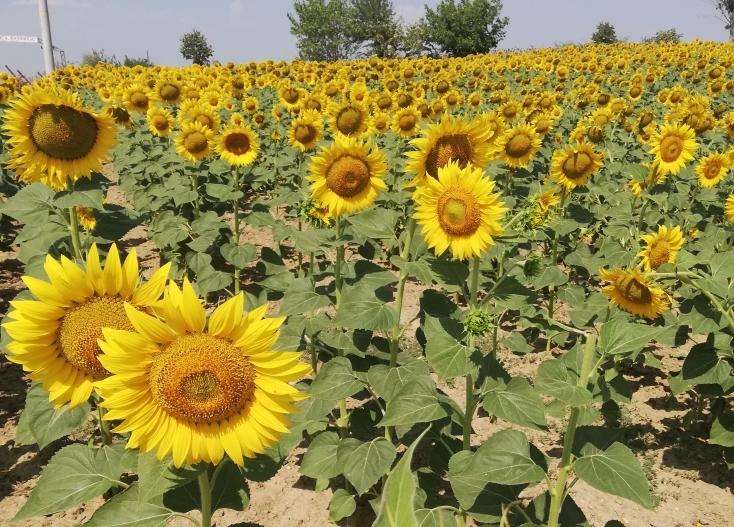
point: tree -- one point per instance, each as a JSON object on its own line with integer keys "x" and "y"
{"x": 669, "y": 36}
{"x": 323, "y": 29}
{"x": 97, "y": 56}
{"x": 726, "y": 8}
{"x": 196, "y": 48}
{"x": 376, "y": 27}
{"x": 604, "y": 34}
{"x": 137, "y": 61}
{"x": 463, "y": 28}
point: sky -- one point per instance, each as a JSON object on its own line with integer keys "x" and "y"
{"x": 246, "y": 30}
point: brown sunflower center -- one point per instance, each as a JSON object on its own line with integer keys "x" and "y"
{"x": 290, "y": 95}
{"x": 404, "y": 100}
{"x": 659, "y": 254}
{"x": 160, "y": 122}
{"x": 82, "y": 325}
{"x": 195, "y": 142}
{"x": 671, "y": 148}
{"x": 384, "y": 102}
{"x": 139, "y": 100}
{"x": 712, "y": 169}
{"x": 449, "y": 148}
{"x": 518, "y": 146}
{"x": 62, "y": 131}
{"x": 406, "y": 122}
{"x": 577, "y": 165}
{"x": 204, "y": 119}
{"x": 237, "y": 143}
{"x": 349, "y": 120}
{"x": 458, "y": 213}
{"x": 305, "y": 133}
{"x": 635, "y": 291}
{"x": 169, "y": 92}
{"x": 202, "y": 379}
{"x": 314, "y": 104}
{"x": 348, "y": 176}
{"x": 442, "y": 87}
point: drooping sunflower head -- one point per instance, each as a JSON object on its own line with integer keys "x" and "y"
{"x": 54, "y": 337}
{"x": 306, "y": 130}
{"x": 120, "y": 115}
{"x": 406, "y": 121}
{"x": 633, "y": 292}
{"x": 350, "y": 119}
{"x": 517, "y": 145}
{"x": 573, "y": 166}
{"x": 541, "y": 207}
{"x": 455, "y": 139}
{"x": 238, "y": 145}
{"x": 661, "y": 247}
{"x": 160, "y": 121}
{"x": 673, "y": 146}
{"x": 347, "y": 176}
{"x": 207, "y": 386}
{"x": 459, "y": 211}
{"x": 194, "y": 141}
{"x": 712, "y": 169}
{"x": 50, "y": 132}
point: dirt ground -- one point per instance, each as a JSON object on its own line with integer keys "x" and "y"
{"x": 689, "y": 478}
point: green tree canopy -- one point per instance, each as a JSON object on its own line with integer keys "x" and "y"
{"x": 664, "y": 35}
{"x": 726, "y": 8}
{"x": 323, "y": 29}
{"x": 604, "y": 34}
{"x": 196, "y": 48}
{"x": 376, "y": 27}
{"x": 463, "y": 28}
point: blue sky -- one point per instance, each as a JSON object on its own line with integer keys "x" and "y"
{"x": 245, "y": 30}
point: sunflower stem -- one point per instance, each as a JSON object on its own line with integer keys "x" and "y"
{"x": 205, "y": 492}
{"x": 558, "y": 491}
{"x": 339, "y": 260}
{"x": 554, "y": 260}
{"x": 104, "y": 427}
{"x": 641, "y": 219}
{"x": 469, "y": 387}
{"x": 236, "y": 211}
{"x": 76, "y": 245}
{"x": 396, "y": 330}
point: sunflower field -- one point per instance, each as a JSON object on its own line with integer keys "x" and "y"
{"x": 429, "y": 283}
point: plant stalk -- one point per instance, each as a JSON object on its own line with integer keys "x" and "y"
{"x": 205, "y": 492}
{"x": 104, "y": 427}
{"x": 76, "y": 245}
{"x": 554, "y": 260}
{"x": 469, "y": 380}
{"x": 236, "y": 210}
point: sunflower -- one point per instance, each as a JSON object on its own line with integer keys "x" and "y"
{"x": 381, "y": 122}
{"x": 712, "y": 169}
{"x": 347, "y": 176}
{"x": 201, "y": 113}
{"x": 458, "y": 210}
{"x": 51, "y": 133}
{"x": 194, "y": 141}
{"x": 160, "y": 121}
{"x": 542, "y": 206}
{"x": 517, "y": 145}
{"x": 633, "y": 292}
{"x": 120, "y": 115}
{"x": 406, "y": 121}
{"x": 238, "y": 145}
{"x": 135, "y": 98}
{"x": 729, "y": 208}
{"x": 350, "y": 119}
{"x": 306, "y": 130}
{"x": 198, "y": 388}
{"x": 54, "y": 337}
{"x": 661, "y": 247}
{"x": 573, "y": 166}
{"x": 85, "y": 216}
{"x": 673, "y": 146}
{"x": 452, "y": 139}
{"x": 251, "y": 105}
{"x": 168, "y": 90}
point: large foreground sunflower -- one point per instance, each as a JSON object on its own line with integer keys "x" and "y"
{"x": 51, "y": 133}
{"x": 673, "y": 146}
{"x": 197, "y": 388}
{"x": 633, "y": 292}
{"x": 54, "y": 337}
{"x": 347, "y": 176}
{"x": 459, "y": 211}
{"x": 661, "y": 247}
{"x": 452, "y": 139}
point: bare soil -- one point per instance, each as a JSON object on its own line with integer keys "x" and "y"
{"x": 689, "y": 478}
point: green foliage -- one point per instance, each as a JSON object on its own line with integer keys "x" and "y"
{"x": 98, "y": 56}
{"x": 604, "y": 34}
{"x": 670, "y": 36}
{"x": 323, "y": 29}
{"x": 196, "y": 48}
{"x": 377, "y": 28}
{"x": 463, "y": 27}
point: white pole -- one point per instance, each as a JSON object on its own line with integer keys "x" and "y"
{"x": 46, "y": 43}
